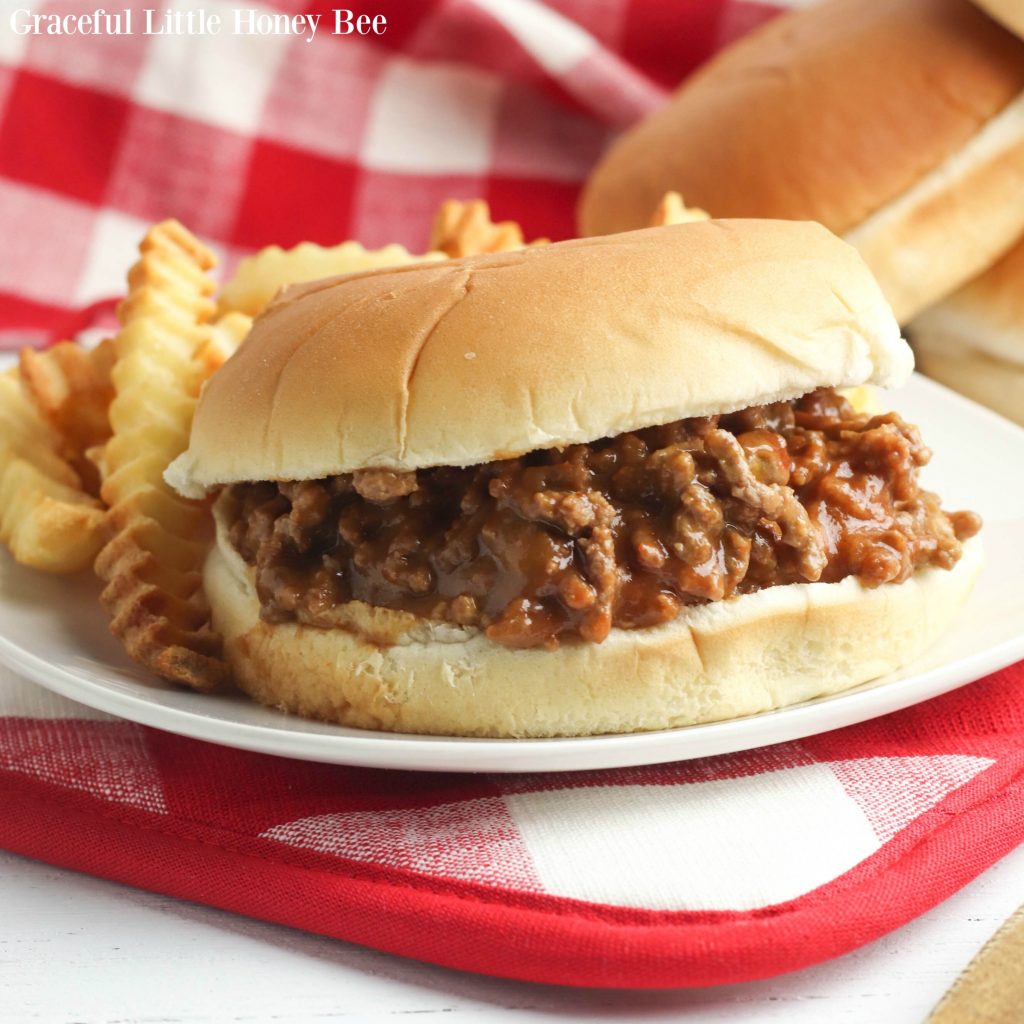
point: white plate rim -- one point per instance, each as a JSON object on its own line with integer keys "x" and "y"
{"x": 475, "y": 754}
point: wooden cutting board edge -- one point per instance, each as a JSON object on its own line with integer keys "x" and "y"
{"x": 991, "y": 988}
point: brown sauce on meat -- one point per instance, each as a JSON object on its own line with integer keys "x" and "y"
{"x": 622, "y": 532}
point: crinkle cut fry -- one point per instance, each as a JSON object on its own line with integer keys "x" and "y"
{"x": 70, "y": 386}
{"x": 672, "y": 210}
{"x": 71, "y": 389}
{"x": 47, "y": 520}
{"x": 224, "y": 336}
{"x": 459, "y": 229}
{"x": 259, "y": 277}
{"x": 466, "y": 229}
{"x": 156, "y": 539}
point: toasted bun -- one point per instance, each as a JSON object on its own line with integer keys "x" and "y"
{"x": 865, "y": 115}
{"x": 381, "y": 669}
{"x": 486, "y": 357}
{"x": 1009, "y": 12}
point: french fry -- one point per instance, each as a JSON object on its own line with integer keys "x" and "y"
{"x": 460, "y": 229}
{"x": 223, "y": 337}
{"x": 46, "y": 519}
{"x": 71, "y": 389}
{"x": 259, "y": 277}
{"x": 166, "y": 348}
{"x": 672, "y": 210}
{"x": 466, "y": 229}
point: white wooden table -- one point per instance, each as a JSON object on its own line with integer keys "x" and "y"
{"x": 76, "y": 950}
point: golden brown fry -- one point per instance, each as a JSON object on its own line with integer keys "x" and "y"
{"x": 672, "y": 210}
{"x": 223, "y": 337}
{"x": 71, "y": 389}
{"x": 259, "y": 277}
{"x": 465, "y": 229}
{"x": 46, "y": 519}
{"x": 166, "y": 347}
{"x": 46, "y": 524}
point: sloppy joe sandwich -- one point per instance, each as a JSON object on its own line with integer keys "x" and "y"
{"x": 973, "y": 341}
{"x": 600, "y": 486}
{"x": 898, "y": 124}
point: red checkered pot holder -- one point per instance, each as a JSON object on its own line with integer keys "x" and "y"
{"x": 696, "y": 873}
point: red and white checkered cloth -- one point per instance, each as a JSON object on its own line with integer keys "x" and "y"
{"x": 703, "y": 872}
{"x": 698, "y": 873}
{"x": 252, "y": 141}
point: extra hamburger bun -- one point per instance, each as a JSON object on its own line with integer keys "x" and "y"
{"x": 898, "y": 124}
{"x": 571, "y": 342}
{"x": 973, "y": 342}
{"x": 470, "y": 360}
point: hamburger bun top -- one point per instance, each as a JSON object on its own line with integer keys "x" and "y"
{"x": 486, "y": 357}
{"x": 824, "y": 114}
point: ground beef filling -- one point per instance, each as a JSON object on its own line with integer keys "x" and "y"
{"x": 622, "y": 532}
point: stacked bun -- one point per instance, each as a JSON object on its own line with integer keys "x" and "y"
{"x": 898, "y": 124}
{"x": 973, "y": 342}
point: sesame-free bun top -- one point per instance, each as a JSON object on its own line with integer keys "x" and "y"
{"x": 823, "y": 114}
{"x": 896, "y": 123}
{"x": 470, "y": 360}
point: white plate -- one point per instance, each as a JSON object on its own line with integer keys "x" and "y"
{"x": 53, "y": 632}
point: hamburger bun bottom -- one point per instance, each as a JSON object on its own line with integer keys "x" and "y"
{"x": 724, "y": 660}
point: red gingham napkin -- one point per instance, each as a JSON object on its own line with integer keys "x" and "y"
{"x": 696, "y": 873}
{"x": 252, "y": 141}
